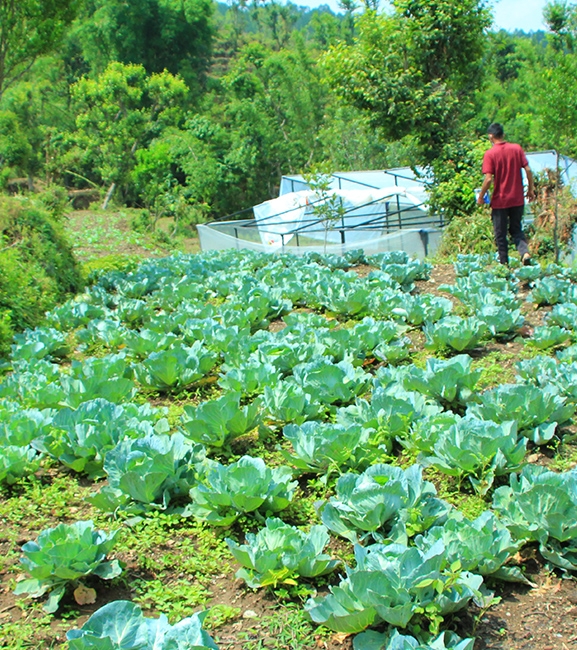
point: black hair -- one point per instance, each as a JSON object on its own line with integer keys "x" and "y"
{"x": 496, "y": 130}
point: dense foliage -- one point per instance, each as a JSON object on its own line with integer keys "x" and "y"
{"x": 37, "y": 267}
{"x": 193, "y": 109}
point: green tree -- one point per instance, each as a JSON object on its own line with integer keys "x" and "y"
{"x": 172, "y": 35}
{"x": 29, "y": 29}
{"x": 414, "y": 71}
{"x": 119, "y": 112}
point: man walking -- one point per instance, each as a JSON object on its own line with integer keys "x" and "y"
{"x": 502, "y": 166}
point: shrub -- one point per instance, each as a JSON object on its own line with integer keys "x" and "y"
{"x": 37, "y": 267}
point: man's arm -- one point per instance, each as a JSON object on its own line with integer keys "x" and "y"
{"x": 487, "y": 182}
{"x": 530, "y": 186}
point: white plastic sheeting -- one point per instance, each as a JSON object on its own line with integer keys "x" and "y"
{"x": 365, "y": 215}
{"x": 418, "y": 242}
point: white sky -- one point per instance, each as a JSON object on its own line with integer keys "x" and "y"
{"x": 509, "y": 14}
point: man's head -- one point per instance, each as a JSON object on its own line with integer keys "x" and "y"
{"x": 495, "y": 131}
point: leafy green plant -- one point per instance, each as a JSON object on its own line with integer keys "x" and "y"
{"x": 482, "y": 546}
{"x": 287, "y": 402}
{"x": 538, "y": 505}
{"x": 64, "y": 555}
{"x": 549, "y": 291}
{"x": 246, "y": 486}
{"x": 501, "y": 321}
{"x": 545, "y": 337}
{"x": 280, "y": 553}
{"x": 384, "y": 502}
{"x": 81, "y": 438}
{"x": 419, "y": 309}
{"x": 320, "y": 447}
{"x": 217, "y": 422}
{"x": 17, "y": 462}
{"x": 332, "y": 383}
{"x": 394, "y": 640}
{"x": 148, "y": 473}
{"x": 536, "y": 411}
{"x": 392, "y": 584}
{"x": 564, "y": 315}
{"x": 249, "y": 378}
{"x": 478, "y": 449}
{"x": 391, "y": 412}
{"x": 175, "y": 368}
{"x": 450, "y": 381}
{"x": 455, "y": 333}
{"x": 40, "y": 343}
{"x": 121, "y": 625}
{"x": 470, "y": 263}
{"x": 393, "y": 352}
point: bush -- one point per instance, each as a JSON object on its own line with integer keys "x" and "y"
{"x": 37, "y": 267}
{"x": 93, "y": 269}
{"x": 471, "y": 234}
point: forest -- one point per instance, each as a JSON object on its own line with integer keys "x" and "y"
{"x": 193, "y": 110}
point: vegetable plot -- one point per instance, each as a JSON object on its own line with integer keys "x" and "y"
{"x": 300, "y": 411}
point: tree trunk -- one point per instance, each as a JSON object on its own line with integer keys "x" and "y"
{"x": 108, "y": 196}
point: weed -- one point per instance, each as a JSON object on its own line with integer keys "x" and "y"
{"x": 220, "y": 614}
{"x": 288, "y": 628}
{"x": 177, "y": 599}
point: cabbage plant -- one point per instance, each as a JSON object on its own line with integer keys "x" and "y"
{"x": 477, "y": 449}
{"x": 391, "y": 584}
{"x": 501, "y": 321}
{"x": 120, "y": 625}
{"x": 539, "y": 505}
{"x": 286, "y": 402}
{"x": 549, "y": 291}
{"x": 391, "y": 412}
{"x": 64, "y": 555}
{"x": 216, "y": 423}
{"x": 545, "y": 337}
{"x": 482, "y": 546}
{"x": 246, "y": 486}
{"x": 280, "y": 553}
{"x": 249, "y": 378}
{"x": 450, "y": 381}
{"x": 419, "y": 309}
{"x": 393, "y": 640}
{"x": 455, "y": 333}
{"x": 332, "y": 383}
{"x": 537, "y": 411}
{"x": 384, "y": 502}
{"x": 563, "y": 315}
{"x": 40, "y": 343}
{"x": 18, "y": 462}
{"x": 176, "y": 368}
{"x": 149, "y": 473}
{"x": 80, "y": 438}
{"x": 321, "y": 446}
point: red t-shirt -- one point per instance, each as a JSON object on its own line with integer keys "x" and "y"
{"x": 505, "y": 161}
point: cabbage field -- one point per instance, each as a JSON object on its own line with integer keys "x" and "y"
{"x": 373, "y": 455}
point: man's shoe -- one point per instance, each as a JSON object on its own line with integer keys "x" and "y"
{"x": 526, "y": 259}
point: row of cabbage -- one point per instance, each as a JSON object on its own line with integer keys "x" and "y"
{"x": 177, "y": 323}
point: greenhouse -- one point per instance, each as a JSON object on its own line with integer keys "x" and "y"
{"x": 376, "y": 211}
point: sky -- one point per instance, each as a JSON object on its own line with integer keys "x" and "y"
{"x": 509, "y": 14}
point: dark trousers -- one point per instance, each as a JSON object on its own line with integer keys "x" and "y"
{"x": 509, "y": 219}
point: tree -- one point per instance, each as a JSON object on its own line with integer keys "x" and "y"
{"x": 172, "y": 35}
{"x": 414, "y": 72}
{"x": 29, "y": 29}
{"x": 119, "y": 112}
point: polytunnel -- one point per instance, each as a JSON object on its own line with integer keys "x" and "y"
{"x": 376, "y": 211}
